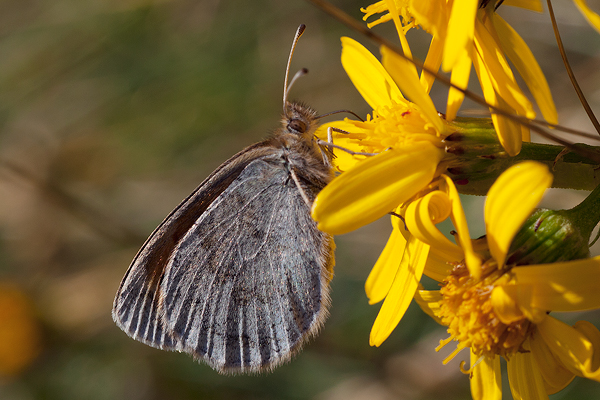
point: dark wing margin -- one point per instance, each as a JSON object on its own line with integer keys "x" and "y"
{"x": 137, "y": 307}
{"x": 248, "y": 284}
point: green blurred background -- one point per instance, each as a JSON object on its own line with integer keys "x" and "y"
{"x": 111, "y": 112}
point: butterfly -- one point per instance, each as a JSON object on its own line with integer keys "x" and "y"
{"x": 238, "y": 274}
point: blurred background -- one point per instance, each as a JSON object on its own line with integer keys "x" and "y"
{"x": 111, "y": 112}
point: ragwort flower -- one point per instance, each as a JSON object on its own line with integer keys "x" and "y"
{"x": 413, "y": 142}
{"x": 504, "y": 310}
{"x": 407, "y": 136}
{"x": 407, "y": 257}
{"x": 464, "y": 34}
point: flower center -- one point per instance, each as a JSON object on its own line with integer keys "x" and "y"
{"x": 393, "y": 126}
{"x": 466, "y": 308}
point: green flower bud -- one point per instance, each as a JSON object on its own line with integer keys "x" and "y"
{"x": 548, "y": 236}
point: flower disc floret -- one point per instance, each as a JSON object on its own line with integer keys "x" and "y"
{"x": 394, "y": 126}
{"x": 466, "y": 308}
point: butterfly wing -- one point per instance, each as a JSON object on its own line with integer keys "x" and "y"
{"x": 248, "y": 283}
{"x": 136, "y": 309}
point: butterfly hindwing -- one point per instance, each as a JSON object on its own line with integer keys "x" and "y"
{"x": 243, "y": 293}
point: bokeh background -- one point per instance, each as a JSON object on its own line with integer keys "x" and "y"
{"x": 111, "y": 112}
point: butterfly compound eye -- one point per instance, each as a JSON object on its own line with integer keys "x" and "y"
{"x": 297, "y": 126}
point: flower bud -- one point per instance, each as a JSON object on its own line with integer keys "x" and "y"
{"x": 548, "y": 236}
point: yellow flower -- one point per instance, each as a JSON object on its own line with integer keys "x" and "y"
{"x": 463, "y": 35}
{"x": 407, "y": 256}
{"x": 502, "y": 309}
{"x": 408, "y": 137}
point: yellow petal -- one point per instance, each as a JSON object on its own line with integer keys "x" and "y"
{"x": 391, "y": 4}
{"x": 593, "y": 335}
{"x": 564, "y": 286}
{"x": 430, "y": 302}
{"x": 505, "y": 305}
{"x": 343, "y": 160}
{"x": 432, "y": 62}
{"x": 499, "y": 71}
{"x": 509, "y": 132}
{"x": 512, "y": 303}
{"x": 382, "y": 275}
{"x": 556, "y": 376}
{"x": 432, "y": 15}
{"x": 402, "y": 291}
{"x": 522, "y": 58}
{"x": 367, "y": 74}
{"x": 460, "y": 77}
{"x": 587, "y": 12}
{"x": 375, "y": 187}
{"x": 404, "y": 74}
{"x": 421, "y": 217}
{"x": 438, "y": 264}
{"x": 510, "y": 201}
{"x": 575, "y": 347}
{"x": 376, "y": 8}
{"x": 461, "y": 27}
{"x": 460, "y": 223}
{"x": 525, "y": 133}
{"x": 486, "y": 381}
{"x": 533, "y": 5}
{"x": 525, "y": 379}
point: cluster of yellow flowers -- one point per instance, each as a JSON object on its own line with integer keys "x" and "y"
{"x": 496, "y": 292}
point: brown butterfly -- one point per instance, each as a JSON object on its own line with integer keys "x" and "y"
{"x": 238, "y": 274}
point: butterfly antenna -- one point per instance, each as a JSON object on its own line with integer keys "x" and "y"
{"x": 298, "y": 74}
{"x": 339, "y": 112}
{"x": 299, "y": 33}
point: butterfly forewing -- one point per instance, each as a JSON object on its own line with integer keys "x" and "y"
{"x": 136, "y": 308}
{"x": 243, "y": 295}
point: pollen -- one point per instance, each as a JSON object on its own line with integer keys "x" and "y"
{"x": 466, "y": 308}
{"x": 397, "y": 125}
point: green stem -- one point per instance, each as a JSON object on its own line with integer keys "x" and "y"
{"x": 478, "y": 159}
{"x": 586, "y": 214}
{"x": 571, "y": 171}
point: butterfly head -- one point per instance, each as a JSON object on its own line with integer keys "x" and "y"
{"x": 300, "y": 119}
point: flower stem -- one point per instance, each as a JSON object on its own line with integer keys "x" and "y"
{"x": 586, "y": 214}
{"x": 479, "y": 159}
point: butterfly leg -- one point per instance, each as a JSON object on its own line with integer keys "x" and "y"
{"x": 302, "y": 192}
{"x": 329, "y": 143}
